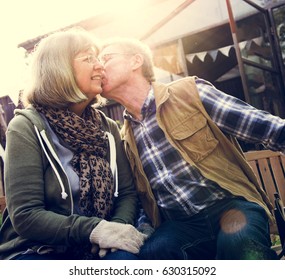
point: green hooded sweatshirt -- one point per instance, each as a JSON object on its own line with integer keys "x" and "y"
{"x": 39, "y": 210}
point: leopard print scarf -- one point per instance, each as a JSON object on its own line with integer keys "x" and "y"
{"x": 84, "y": 136}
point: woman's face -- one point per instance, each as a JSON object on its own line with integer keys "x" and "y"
{"x": 88, "y": 73}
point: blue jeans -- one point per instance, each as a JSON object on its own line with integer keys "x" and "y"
{"x": 232, "y": 229}
{"x": 118, "y": 255}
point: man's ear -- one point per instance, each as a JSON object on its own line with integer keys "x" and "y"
{"x": 137, "y": 61}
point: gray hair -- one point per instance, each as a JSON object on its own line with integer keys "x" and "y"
{"x": 52, "y": 81}
{"x": 135, "y": 46}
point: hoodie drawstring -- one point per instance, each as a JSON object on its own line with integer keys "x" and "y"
{"x": 64, "y": 195}
{"x": 113, "y": 162}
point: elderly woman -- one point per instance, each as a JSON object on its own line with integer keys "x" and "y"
{"x": 69, "y": 190}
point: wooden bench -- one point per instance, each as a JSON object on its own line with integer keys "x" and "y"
{"x": 269, "y": 168}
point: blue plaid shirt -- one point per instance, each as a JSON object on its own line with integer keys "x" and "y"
{"x": 179, "y": 188}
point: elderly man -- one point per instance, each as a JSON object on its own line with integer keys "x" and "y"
{"x": 195, "y": 186}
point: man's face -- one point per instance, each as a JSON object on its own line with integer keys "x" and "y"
{"x": 117, "y": 65}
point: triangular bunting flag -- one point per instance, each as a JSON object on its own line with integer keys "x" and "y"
{"x": 225, "y": 50}
{"x": 213, "y": 54}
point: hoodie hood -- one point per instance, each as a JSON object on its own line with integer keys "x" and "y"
{"x": 33, "y": 115}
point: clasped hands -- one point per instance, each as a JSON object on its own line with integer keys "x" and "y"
{"x": 114, "y": 236}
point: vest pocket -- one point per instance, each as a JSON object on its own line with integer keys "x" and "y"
{"x": 194, "y": 136}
